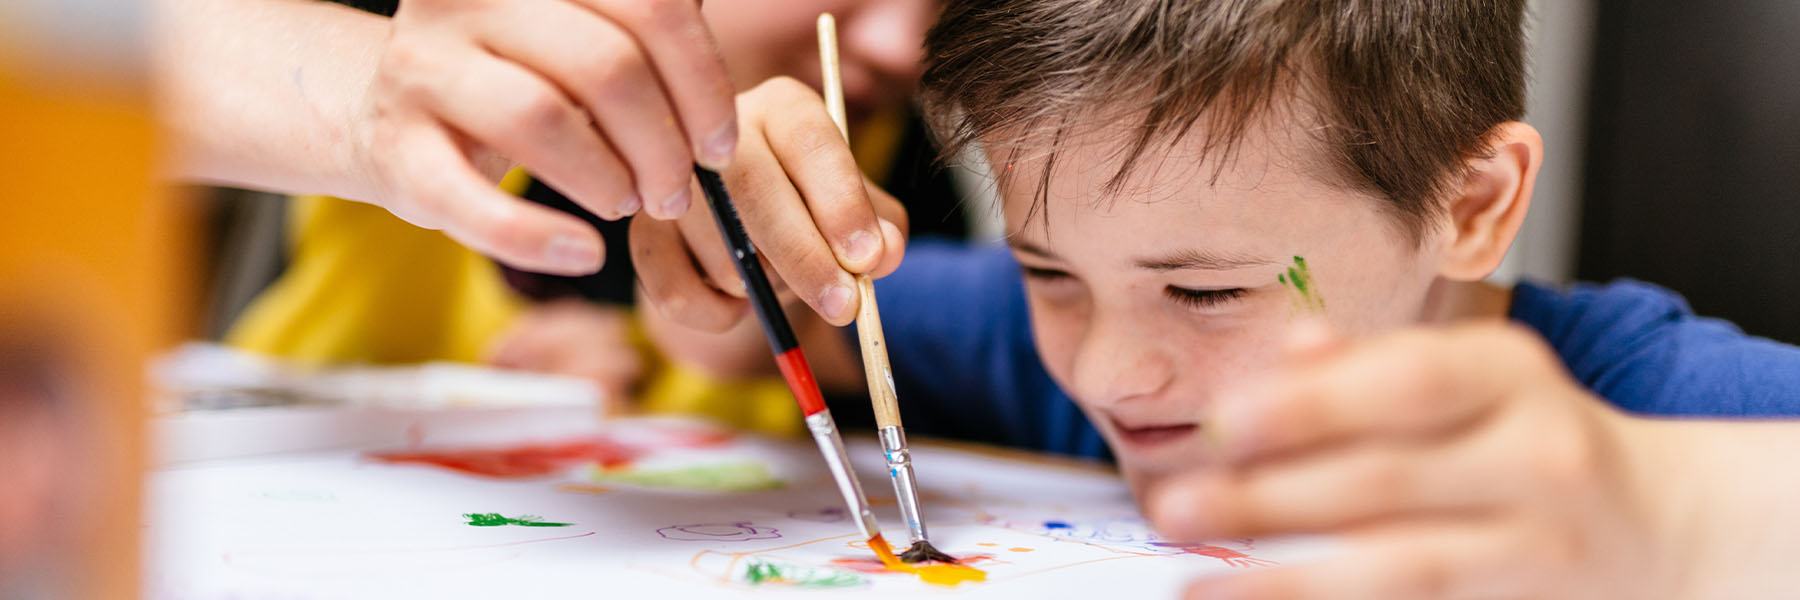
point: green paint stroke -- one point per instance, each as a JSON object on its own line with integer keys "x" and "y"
{"x": 496, "y": 520}
{"x": 1299, "y": 277}
{"x": 763, "y": 572}
{"x": 741, "y": 476}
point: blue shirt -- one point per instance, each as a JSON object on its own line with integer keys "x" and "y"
{"x": 959, "y": 336}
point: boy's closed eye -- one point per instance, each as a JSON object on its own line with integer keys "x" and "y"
{"x": 1197, "y": 299}
{"x": 1203, "y": 299}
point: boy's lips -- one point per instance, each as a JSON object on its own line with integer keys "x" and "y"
{"x": 1139, "y": 436}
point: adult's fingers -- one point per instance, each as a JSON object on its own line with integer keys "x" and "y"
{"x": 1415, "y": 383}
{"x": 529, "y": 120}
{"x": 671, "y": 280}
{"x": 687, "y": 61}
{"x": 817, "y": 159}
{"x": 597, "y": 63}
{"x": 434, "y": 174}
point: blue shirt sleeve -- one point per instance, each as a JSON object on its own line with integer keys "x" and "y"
{"x": 965, "y": 367}
{"x": 1641, "y": 347}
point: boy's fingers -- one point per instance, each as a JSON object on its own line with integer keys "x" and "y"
{"x": 672, "y": 282}
{"x": 1442, "y": 559}
{"x": 701, "y": 233}
{"x": 1364, "y": 483}
{"x": 1415, "y": 383}
{"x": 436, "y": 175}
{"x": 779, "y": 224}
{"x": 687, "y": 61}
{"x": 599, "y": 65}
{"x": 525, "y": 118}
{"x": 817, "y": 159}
{"x": 894, "y": 224}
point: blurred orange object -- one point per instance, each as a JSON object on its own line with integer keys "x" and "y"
{"x": 89, "y": 285}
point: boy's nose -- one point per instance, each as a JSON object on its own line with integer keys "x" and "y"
{"x": 1117, "y": 362}
{"x": 887, "y": 37}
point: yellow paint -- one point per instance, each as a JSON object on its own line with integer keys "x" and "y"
{"x": 938, "y": 574}
{"x": 1019, "y": 549}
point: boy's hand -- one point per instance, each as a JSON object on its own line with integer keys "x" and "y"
{"x": 815, "y": 220}
{"x": 1453, "y": 463}
{"x": 608, "y": 101}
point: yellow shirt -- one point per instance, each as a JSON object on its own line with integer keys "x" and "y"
{"x": 364, "y": 286}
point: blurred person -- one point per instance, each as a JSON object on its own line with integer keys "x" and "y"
{"x": 363, "y": 286}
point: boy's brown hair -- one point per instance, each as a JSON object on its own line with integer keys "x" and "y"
{"x": 1403, "y": 91}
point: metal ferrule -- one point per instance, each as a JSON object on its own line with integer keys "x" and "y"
{"x": 824, "y": 431}
{"x": 906, "y": 488}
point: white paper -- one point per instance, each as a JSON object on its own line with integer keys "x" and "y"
{"x": 336, "y": 525}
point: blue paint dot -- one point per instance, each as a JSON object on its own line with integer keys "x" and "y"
{"x": 1056, "y": 525}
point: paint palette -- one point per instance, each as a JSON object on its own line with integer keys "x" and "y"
{"x": 692, "y": 512}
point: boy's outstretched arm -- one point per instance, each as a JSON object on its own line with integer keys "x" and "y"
{"x": 814, "y": 218}
{"x": 609, "y": 101}
{"x": 1467, "y": 463}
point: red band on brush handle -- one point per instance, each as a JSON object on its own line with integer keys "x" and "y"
{"x": 800, "y": 379}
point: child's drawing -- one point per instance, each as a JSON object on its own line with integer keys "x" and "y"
{"x": 718, "y": 532}
{"x": 1021, "y": 529}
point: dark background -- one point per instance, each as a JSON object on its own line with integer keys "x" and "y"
{"x": 1693, "y": 159}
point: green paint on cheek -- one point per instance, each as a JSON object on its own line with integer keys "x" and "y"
{"x": 1299, "y": 277}
{"x": 742, "y": 476}
{"x": 496, "y": 520}
{"x": 762, "y": 572}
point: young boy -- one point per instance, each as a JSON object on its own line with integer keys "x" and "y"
{"x": 1252, "y": 235}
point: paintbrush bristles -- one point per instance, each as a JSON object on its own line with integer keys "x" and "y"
{"x": 828, "y": 68}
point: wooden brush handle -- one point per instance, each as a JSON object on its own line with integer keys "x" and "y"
{"x": 874, "y": 356}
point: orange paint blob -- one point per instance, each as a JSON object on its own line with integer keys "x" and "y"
{"x": 989, "y": 544}
{"x": 935, "y": 574}
{"x": 1019, "y": 549}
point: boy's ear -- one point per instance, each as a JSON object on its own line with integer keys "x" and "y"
{"x": 1488, "y": 208}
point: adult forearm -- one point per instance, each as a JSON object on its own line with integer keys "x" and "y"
{"x": 267, "y": 94}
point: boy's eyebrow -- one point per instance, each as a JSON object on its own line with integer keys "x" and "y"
{"x": 1179, "y": 260}
{"x": 1182, "y": 260}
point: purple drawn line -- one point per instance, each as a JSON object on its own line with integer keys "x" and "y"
{"x": 228, "y": 555}
{"x": 742, "y": 531}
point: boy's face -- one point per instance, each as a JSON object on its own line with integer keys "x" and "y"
{"x": 1148, "y": 303}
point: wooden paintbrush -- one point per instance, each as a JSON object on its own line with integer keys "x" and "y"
{"x": 788, "y": 357}
{"x": 874, "y": 345}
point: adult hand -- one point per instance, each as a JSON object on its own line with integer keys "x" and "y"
{"x": 1453, "y": 463}
{"x": 609, "y": 101}
{"x": 815, "y": 219}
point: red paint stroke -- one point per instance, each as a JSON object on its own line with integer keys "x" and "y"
{"x": 520, "y": 461}
{"x": 1231, "y": 557}
{"x": 696, "y": 437}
